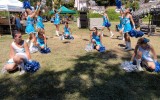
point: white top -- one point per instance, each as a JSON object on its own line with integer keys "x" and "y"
{"x": 18, "y": 49}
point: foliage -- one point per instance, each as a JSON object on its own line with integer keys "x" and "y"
{"x": 113, "y": 16}
{"x": 134, "y": 5}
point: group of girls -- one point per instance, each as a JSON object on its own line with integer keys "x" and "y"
{"x": 19, "y": 49}
{"x": 142, "y": 50}
{"x": 20, "y": 52}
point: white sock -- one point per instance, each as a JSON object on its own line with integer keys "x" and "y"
{"x": 126, "y": 44}
{"x": 57, "y": 33}
{"x": 129, "y": 44}
{"x": 102, "y": 33}
{"x": 111, "y": 32}
{"x": 31, "y": 45}
{"x": 27, "y": 40}
{"x": 139, "y": 64}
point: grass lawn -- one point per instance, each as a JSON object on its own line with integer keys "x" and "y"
{"x": 71, "y": 73}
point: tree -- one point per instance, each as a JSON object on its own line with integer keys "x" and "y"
{"x": 105, "y": 2}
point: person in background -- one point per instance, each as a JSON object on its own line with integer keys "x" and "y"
{"x": 18, "y": 23}
{"x": 106, "y": 23}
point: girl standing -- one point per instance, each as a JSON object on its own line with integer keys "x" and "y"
{"x": 107, "y": 24}
{"x": 57, "y": 21}
{"x": 127, "y": 28}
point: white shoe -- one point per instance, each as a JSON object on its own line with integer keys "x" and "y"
{"x": 22, "y": 72}
{"x": 128, "y": 49}
{"x": 140, "y": 68}
{"x": 112, "y": 35}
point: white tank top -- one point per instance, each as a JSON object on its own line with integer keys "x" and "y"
{"x": 18, "y": 49}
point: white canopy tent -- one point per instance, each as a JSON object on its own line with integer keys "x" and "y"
{"x": 11, "y": 6}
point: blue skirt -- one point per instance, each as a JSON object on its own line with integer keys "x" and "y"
{"x": 30, "y": 29}
{"x": 57, "y": 21}
{"x": 127, "y": 28}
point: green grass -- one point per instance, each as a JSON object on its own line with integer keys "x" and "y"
{"x": 71, "y": 73}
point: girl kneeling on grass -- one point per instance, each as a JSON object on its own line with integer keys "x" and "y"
{"x": 96, "y": 38}
{"x": 142, "y": 54}
{"x": 19, "y": 53}
{"x": 67, "y": 32}
{"x": 41, "y": 39}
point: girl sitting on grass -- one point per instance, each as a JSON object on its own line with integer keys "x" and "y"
{"x": 67, "y": 32}
{"x": 41, "y": 39}
{"x": 96, "y": 38}
{"x": 19, "y": 53}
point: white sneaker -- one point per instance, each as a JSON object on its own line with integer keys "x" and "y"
{"x": 22, "y": 72}
{"x": 112, "y": 35}
{"x": 128, "y": 49}
{"x": 140, "y": 68}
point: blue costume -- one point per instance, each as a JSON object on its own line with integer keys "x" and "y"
{"x": 57, "y": 19}
{"x": 39, "y": 23}
{"x": 18, "y": 24}
{"x": 127, "y": 25}
{"x": 66, "y": 31}
{"x": 145, "y": 54}
{"x": 121, "y": 25}
{"x": 30, "y": 25}
{"x": 40, "y": 41}
{"x": 96, "y": 38}
{"x": 105, "y": 20}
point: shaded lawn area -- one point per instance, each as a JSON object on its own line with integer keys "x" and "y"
{"x": 71, "y": 73}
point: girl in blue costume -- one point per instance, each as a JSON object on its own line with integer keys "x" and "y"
{"x": 67, "y": 31}
{"x": 57, "y": 21}
{"x": 121, "y": 25}
{"x": 106, "y": 20}
{"x": 96, "y": 38}
{"x": 30, "y": 26}
{"x": 142, "y": 53}
{"x": 128, "y": 27}
{"x": 41, "y": 39}
{"x": 39, "y": 23}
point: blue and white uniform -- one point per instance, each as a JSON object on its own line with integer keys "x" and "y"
{"x": 105, "y": 20}
{"x": 66, "y": 31}
{"x": 30, "y": 25}
{"x": 127, "y": 25}
{"x": 57, "y": 19}
{"x": 121, "y": 25}
{"x": 145, "y": 54}
{"x": 96, "y": 38}
{"x": 40, "y": 41}
{"x": 39, "y": 23}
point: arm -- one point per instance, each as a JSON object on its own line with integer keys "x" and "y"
{"x": 135, "y": 53}
{"x": 45, "y": 40}
{"x": 36, "y": 11}
{"x": 27, "y": 50}
{"x": 100, "y": 37}
{"x": 11, "y": 54}
{"x": 131, "y": 18}
{"x": 70, "y": 30}
{"x": 107, "y": 17}
{"x": 154, "y": 53}
{"x": 91, "y": 37}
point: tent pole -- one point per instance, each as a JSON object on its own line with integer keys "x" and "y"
{"x": 9, "y": 22}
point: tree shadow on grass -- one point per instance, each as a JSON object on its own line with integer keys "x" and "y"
{"x": 94, "y": 77}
